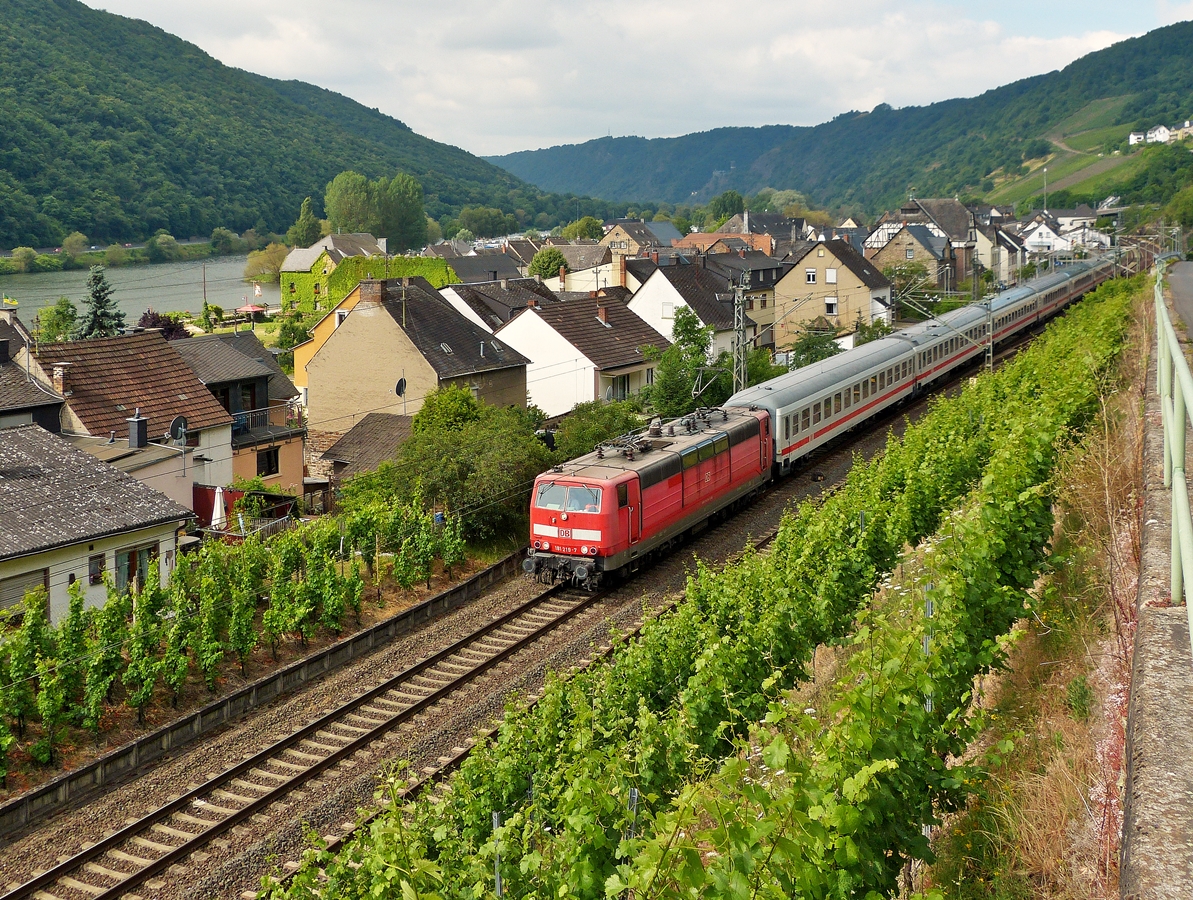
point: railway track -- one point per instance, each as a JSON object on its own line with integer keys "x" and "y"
{"x": 151, "y": 845}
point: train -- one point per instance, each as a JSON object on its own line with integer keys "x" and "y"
{"x": 633, "y": 498}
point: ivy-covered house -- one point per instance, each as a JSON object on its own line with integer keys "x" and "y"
{"x": 315, "y": 279}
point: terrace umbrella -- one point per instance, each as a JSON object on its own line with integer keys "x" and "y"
{"x": 218, "y": 519}
{"x": 251, "y": 309}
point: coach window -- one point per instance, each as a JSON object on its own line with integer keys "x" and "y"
{"x": 836, "y": 403}
{"x": 787, "y": 428}
{"x": 865, "y": 388}
{"x": 873, "y": 384}
{"x": 795, "y": 423}
{"x": 848, "y": 397}
{"x": 584, "y": 499}
{"x": 623, "y": 495}
{"x": 881, "y": 380}
{"x": 857, "y": 393}
{"x": 806, "y": 415}
{"x": 551, "y": 496}
{"x": 815, "y": 413}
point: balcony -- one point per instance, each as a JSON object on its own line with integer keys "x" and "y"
{"x": 267, "y": 425}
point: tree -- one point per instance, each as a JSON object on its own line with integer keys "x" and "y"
{"x": 292, "y": 332}
{"x": 812, "y": 347}
{"x": 464, "y": 235}
{"x": 547, "y": 262}
{"x": 434, "y": 231}
{"x": 487, "y": 221}
{"x": 307, "y": 229}
{"x": 451, "y": 407}
{"x": 171, "y": 326}
{"x": 115, "y": 256}
{"x": 266, "y": 265}
{"x": 224, "y": 241}
{"x": 348, "y": 204}
{"x": 57, "y": 323}
{"x": 587, "y": 227}
{"x": 101, "y": 317}
{"x": 682, "y": 224}
{"x": 679, "y": 364}
{"x": 451, "y": 544}
{"x": 726, "y": 205}
{"x": 400, "y": 213}
{"x": 75, "y": 244}
{"x": 863, "y": 333}
{"x": 24, "y": 258}
{"x": 590, "y": 423}
{"x": 162, "y": 248}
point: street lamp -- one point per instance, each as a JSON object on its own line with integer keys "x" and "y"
{"x": 1045, "y": 189}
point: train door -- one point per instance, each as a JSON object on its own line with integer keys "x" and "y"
{"x": 629, "y": 502}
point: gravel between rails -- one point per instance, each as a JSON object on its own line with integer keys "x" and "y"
{"x": 235, "y": 862}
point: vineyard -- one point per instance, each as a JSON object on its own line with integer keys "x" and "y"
{"x": 647, "y": 772}
{"x": 218, "y": 608}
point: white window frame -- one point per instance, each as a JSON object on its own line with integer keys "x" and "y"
{"x": 830, "y": 306}
{"x": 909, "y": 253}
{"x": 809, "y": 276}
{"x": 668, "y": 309}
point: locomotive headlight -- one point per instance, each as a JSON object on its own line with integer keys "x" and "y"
{"x": 546, "y": 546}
{"x": 584, "y": 549}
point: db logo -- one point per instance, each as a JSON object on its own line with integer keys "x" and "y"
{"x": 565, "y": 533}
{"x": 708, "y": 476}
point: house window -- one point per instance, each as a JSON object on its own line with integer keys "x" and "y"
{"x": 909, "y": 253}
{"x": 13, "y": 590}
{"x": 132, "y": 566}
{"x": 830, "y": 276}
{"x": 192, "y": 438}
{"x": 620, "y": 388}
{"x": 292, "y": 288}
{"x": 749, "y": 303}
{"x": 668, "y": 310}
{"x": 809, "y": 276}
{"x": 267, "y": 462}
{"x": 762, "y": 303}
{"x": 95, "y": 568}
{"x": 830, "y": 306}
{"x": 650, "y": 376}
{"x": 316, "y": 289}
{"x": 248, "y": 396}
{"x": 341, "y": 315}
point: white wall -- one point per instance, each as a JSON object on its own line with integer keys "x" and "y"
{"x": 648, "y": 302}
{"x": 559, "y": 376}
{"x": 215, "y": 446}
{"x": 593, "y": 279}
{"x": 463, "y": 308}
{"x": 73, "y": 560}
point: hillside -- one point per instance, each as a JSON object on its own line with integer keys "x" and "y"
{"x": 870, "y": 161}
{"x": 115, "y": 128}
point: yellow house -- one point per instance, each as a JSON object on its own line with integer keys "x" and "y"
{"x": 304, "y": 352}
{"x": 828, "y": 283}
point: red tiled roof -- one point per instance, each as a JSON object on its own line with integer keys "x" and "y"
{"x": 109, "y": 378}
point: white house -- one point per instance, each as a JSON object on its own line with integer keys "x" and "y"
{"x": 702, "y": 290}
{"x": 1159, "y": 134}
{"x": 1136, "y": 137}
{"x": 67, "y": 517}
{"x": 588, "y": 348}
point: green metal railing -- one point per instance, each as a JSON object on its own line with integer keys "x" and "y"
{"x": 1176, "y": 390}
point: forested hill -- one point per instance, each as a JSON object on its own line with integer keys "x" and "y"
{"x": 115, "y": 128}
{"x": 871, "y": 160}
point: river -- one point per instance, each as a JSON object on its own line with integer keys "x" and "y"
{"x": 166, "y": 287}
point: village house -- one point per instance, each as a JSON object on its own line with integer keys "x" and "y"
{"x": 778, "y": 226}
{"x": 763, "y": 274}
{"x": 707, "y": 293}
{"x": 918, "y": 245}
{"x": 701, "y": 242}
{"x": 105, "y": 381}
{"x": 948, "y": 218}
{"x": 633, "y": 237}
{"x": 485, "y": 267}
{"x": 399, "y": 341}
{"x": 491, "y": 304}
{"x": 1000, "y": 252}
{"x": 306, "y": 272}
{"x": 588, "y": 348}
{"x": 590, "y": 267}
{"x": 68, "y": 518}
{"x": 268, "y": 433}
{"x": 23, "y": 399}
{"x": 832, "y": 287}
{"x": 370, "y": 442}
{"x": 1159, "y": 134}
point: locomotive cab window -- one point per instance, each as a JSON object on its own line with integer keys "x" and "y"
{"x": 584, "y": 499}
{"x": 623, "y": 495}
{"x": 551, "y": 496}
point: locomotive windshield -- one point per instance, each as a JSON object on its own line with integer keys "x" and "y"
{"x": 568, "y": 499}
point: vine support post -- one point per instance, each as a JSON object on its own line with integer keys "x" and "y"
{"x": 497, "y": 855}
{"x": 928, "y": 613}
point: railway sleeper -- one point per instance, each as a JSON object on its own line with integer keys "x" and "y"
{"x": 82, "y": 886}
{"x": 152, "y": 845}
{"x": 306, "y": 757}
{"x": 172, "y": 832}
{"x": 139, "y": 862}
{"x": 97, "y": 869}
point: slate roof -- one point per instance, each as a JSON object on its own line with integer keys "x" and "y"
{"x": 641, "y": 267}
{"x": 338, "y": 247}
{"x": 775, "y": 224}
{"x": 54, "y": 495}
{"x": 665, "y": 232}
{"x": 866, "y": 272}
{"x": 612, "y": 344}
{"x": 706, "y": 292}
{"x": 585, "y": 256}
{"x": 764, "y": 269}
{"x": 449, "y": 342}
{"x": 370, "y": 442}
{"x": 18, "y": 390}
{"x": 522, "y": 249}
{"x": 223, "y": 358}
{"x": 496, "y": 303}
{"x": 109, "y": 378}
{"x": 613, "y": 292}
{"x": 475, "y": 269}
{"x": 951, "y": 215}
{"x": 640, "y": 233}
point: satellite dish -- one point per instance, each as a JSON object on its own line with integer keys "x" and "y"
{"x": 400, "y": 389}
{"x": 178, "y": 428}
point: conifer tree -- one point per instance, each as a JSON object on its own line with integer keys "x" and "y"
{"x": 100, "y": 316}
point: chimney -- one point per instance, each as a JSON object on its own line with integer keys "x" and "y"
{"x": 538, "y": 279}
{"x": 505, "y": 284}
{"x": 742, "y": 252}
{"x": 532, "y": 303}
{"x": 6, "y": 315}
{"x": 563, "y": 274}
{"x": 603, "y": 312}
{"x": 138, "y": 431}
{"x": 620, "y": 270}
{"x": 654, "y": 256}
{"x": 61, "y": 382}
{"x": 370, "y": 291}
{"x": 4, "y": 351}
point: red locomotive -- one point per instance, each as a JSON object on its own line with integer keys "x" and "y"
{"x": 633, "y": 497}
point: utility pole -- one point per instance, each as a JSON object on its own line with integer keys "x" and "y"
{"x": 741, "y": 349}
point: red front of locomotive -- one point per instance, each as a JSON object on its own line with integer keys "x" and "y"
{"x": 575, "y": 526}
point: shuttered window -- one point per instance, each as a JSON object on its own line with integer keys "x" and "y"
{"x": 13, "y": 590}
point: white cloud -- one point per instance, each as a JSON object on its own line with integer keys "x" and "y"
{"x": 506, "y": 75}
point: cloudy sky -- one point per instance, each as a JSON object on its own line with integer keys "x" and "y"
{"x": 504, "y": 75}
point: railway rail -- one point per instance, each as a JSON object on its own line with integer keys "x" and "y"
{"x": 149, "y": 846}
{"x": 169, "y": 834}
